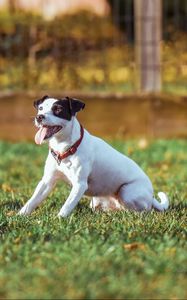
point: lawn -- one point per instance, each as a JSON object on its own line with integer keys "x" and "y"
{"x": 93, "y": 255}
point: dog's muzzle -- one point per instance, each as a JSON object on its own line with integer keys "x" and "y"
{"x": 40, "y": 118}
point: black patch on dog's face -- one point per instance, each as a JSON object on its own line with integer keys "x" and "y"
{"x": 67, "y": 107}
{"x": 40, "y": 101}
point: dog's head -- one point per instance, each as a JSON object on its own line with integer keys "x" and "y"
{"x": 54, "y": 115}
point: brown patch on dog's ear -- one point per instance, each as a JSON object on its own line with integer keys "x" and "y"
{"x": 75, "y": 105}
{"x": 39, "y": 101}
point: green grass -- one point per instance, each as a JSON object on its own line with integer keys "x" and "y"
{"x": 92, "y": 255}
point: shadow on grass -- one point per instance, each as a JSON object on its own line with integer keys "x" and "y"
{"x": 178, "y": 206}
{"x": 11, "y": 205}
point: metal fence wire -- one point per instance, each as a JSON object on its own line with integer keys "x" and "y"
{"x": 88, "y": 52}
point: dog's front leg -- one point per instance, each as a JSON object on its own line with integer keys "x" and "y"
{"x": 76, "y": 193}
{"x": 42, "y": 190}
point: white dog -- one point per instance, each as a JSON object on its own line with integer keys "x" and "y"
{"x": 87, "y": 163}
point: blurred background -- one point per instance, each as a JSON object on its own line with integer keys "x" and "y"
{"x": 127, "y": 59}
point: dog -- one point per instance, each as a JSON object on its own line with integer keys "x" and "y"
{"x": 87, "y": 163}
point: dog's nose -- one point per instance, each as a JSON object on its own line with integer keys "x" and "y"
{"x": 40, "y": 118}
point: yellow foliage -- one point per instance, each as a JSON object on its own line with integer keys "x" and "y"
{"x": 169, "y": 73}
{"x": 48, "y": 78}
{"x": 134, "y": 246}
{"x": 6, "y": 188}
{"x": 4, "y": 79}
{"x": 90, "y": 74}
{"x": 10, "y": 213}
{"x": 17, "y": 240}
{"x": 119, "y": 75}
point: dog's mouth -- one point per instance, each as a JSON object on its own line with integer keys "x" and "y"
{"x": 46, "y": 132}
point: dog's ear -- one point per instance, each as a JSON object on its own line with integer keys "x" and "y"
{"x": 61, "y": 109}
{"x": 75, "y": 105}
{"x": 67, "y": 107}
{"x": 39, "y": 101}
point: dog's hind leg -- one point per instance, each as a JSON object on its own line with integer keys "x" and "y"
{"x": 135, "y": 197}
{"x": 105, "y": 204}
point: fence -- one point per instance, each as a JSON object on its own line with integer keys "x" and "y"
{"x": 88, "y": 52}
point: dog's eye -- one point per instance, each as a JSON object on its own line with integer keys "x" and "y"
{"x": 40, "y": 108}
{"x": 57, "y": 109}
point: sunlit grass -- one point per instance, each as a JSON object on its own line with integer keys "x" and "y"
{"x": 92, "y": 255}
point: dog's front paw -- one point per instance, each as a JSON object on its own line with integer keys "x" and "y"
{"x": 63, "y": 213}
{"x": 25, "y": 211}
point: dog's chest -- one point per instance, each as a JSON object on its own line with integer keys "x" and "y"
{"x": 68, "y": 170}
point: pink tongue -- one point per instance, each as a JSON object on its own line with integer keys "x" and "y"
{"x": 40, "y": 135}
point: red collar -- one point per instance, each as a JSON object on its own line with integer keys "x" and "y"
{"x": 60, "y": 156}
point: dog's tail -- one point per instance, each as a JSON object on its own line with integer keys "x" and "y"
{"x": 164, "y": 204}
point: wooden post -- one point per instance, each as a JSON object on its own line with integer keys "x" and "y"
{"x": 148, "y": 34}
